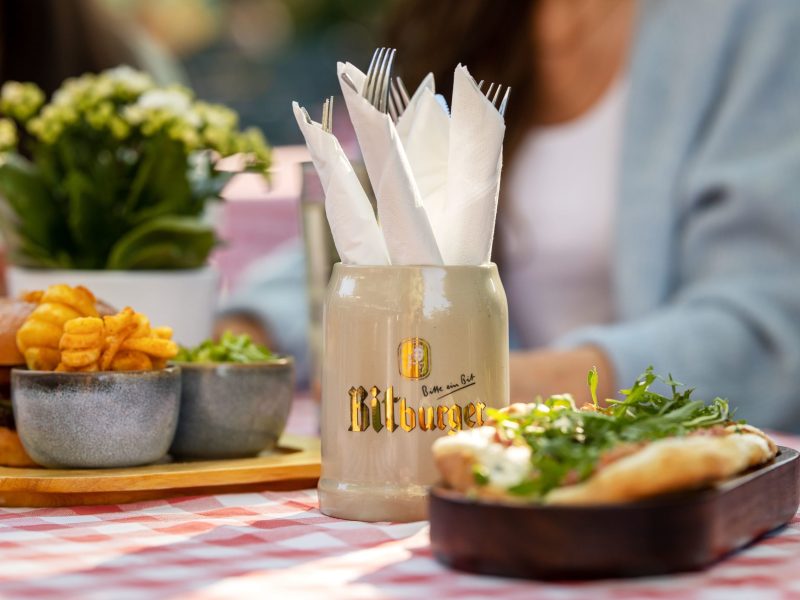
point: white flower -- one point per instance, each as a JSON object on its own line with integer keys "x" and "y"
{"x": 8, "y": 135}
{"x": 133, "y": 80}
{"x": 20, "y": 100}
{"x": 174, "y": 102}
{"x": 134, "y": 115}
{"x": 217, "y": 115}
{"x": 13, "y": 92}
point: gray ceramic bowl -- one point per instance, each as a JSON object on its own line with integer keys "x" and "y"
{"x": 231, "y": 410}
{"x": 94, "y": 420}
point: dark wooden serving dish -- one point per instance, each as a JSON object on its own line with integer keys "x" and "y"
{"x": 677, "y": 532}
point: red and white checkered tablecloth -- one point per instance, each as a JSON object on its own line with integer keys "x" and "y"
{"x": 278, "y": 545}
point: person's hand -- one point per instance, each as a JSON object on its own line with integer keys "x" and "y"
{"x": 548, "y": 372}
{"x": 239, "y": 323}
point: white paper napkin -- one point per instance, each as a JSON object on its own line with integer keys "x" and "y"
{"x": 424, "y": 129}
{"x": 402, "y": 216}
{"x": 473, "y": 174}
{"x": 406, "y": 120}
{"x": 355, "y": 230}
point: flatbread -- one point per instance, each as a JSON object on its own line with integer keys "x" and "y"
{"x": 659, "y": 467}
{"x": 671, "y": 465}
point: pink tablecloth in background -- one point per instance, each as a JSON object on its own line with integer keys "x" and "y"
{"x": 278, "y": 545}
{"x": 252, "y": 229}
{"x": 258, "y": 216}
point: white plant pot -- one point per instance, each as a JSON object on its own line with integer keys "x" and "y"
{"x": 183, "y": 299}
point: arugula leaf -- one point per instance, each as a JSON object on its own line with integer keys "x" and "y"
{"x": 230, "y": 348}
{"x": 593, "y": 385}
{"x": 567, "y": 443}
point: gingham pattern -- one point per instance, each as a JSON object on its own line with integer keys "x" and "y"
{"x": 278, "y": 545}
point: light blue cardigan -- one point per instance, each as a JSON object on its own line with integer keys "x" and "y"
{"x": 707, "y": 261}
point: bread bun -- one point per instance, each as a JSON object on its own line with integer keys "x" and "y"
{"x": 12, "y": 314}
{"x": 12, "y": 452}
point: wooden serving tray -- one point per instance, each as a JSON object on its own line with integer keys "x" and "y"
{"x": 295, "y": 464}
{"x": 676, "y": 532}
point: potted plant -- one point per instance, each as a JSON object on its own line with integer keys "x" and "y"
{"x": 108, "y": 186}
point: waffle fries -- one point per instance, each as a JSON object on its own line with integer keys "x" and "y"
{"x": 39, "y": 338}
{"x": 65, "y": 333}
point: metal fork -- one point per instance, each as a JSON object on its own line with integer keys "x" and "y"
{"x": 379, "y": 77}
{"x": 327, "y": 115}
{"x": 493, "y": 99}
{"x": 398, "y": 98}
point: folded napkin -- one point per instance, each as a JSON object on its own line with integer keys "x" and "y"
{"x": 406, "y": 120}
{"x": 355, "y": 230}
{"x": 403, "y": 219}
{"x": 424, "y": 130}
{"x": 473, "y": 174}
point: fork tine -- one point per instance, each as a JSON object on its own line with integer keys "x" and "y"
{"x": 384, "y": 81}
{"x": 504, "y": 102}
{"x": 374, "y": 60}
{"x": 396, "y": 97}
{"x": 396, "y": 107}
{"x": 389, "y": 76}
{"x": 403, "y": 92}
{"x": 393, "y": 110}
{"x": 372, "y": 64}
{"x": 496, "y": 95}
{"x": 327, "y": 115}
{"x": 480, "y": 85}
{"x": 376, "y": 79}
{"x": 489, "y": 91}
{"x": 347, "y": 79}
{"x": 369, "y": 85}
{"x": 377, "y": 83}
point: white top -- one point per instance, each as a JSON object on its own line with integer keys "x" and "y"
{"x": 556, "y": 224}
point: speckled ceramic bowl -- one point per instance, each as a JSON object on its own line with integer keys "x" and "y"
{"x": 231, "y": 410}
{"x": 96, "y": 420}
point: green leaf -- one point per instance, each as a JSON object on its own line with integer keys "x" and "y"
{"x": 87, "y": 221}
{"x": 164, "y": 243}
{"x": 566, "y": 443}
{"x": 528, "y": 487}
{"x": 230, "y": 348}
{"x": 28, "y": 254}
{"x": 28, "y": 216}
{"x": 205, "y": 181}
{"x": 480, "y": 476}
{"x": 593, "y": 385}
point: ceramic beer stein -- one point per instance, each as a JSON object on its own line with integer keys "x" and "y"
{"x": 410, "y": 353}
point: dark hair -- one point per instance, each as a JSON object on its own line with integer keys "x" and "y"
{"x": 492, "y": 39}
{"x": 46, "y": 41}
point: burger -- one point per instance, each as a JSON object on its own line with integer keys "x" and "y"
{"x": 12, "y": 314}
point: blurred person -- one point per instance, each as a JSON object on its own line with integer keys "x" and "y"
{"x": 648, "y": 211}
